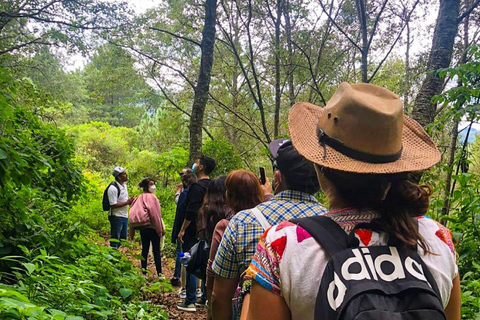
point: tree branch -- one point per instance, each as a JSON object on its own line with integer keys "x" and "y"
{"x": 310, "y": 68}
{"x": 176, "y": 36}
{"x": 377, "y": 19}
{"x": 339, "y": 28}
{"x": 468, "y": 11}
{"x": 395, "y": 42}
{"x": 19, "y": 46}
{"x": 152, "y": 74}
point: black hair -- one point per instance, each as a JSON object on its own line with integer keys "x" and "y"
{"x": 398, "y": 197}
{"x": 309, "y": 185}
{"x": 214, "y": 208}
{"x": 188, "y": 179}
{"x": 208, "y": 163}
{"x": 144, "y": 184}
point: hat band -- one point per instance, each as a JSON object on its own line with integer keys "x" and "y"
{"x": 352, "y": 153}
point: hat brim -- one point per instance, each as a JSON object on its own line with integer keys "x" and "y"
{"x": 419, "y": 151}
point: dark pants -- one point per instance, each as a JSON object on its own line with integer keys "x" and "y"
{"x": 191, "y": 288}
{"x": 150, "y": 235}
{"x": 178, "y": 265}
{"x": 118, "y": 230}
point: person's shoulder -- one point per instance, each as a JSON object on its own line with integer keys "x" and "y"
{"x": 113, "y": 186}
{"x": 148, "y": 195}
{"x": 431, "y": 230}
{"x": 198, "y": 185}
{"x": 221, "y": 225}
{"x": 284, "y": 230}
{"x": 243, "y": 216}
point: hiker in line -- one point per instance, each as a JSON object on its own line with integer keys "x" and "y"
{"x": 180, "y": 186}
{"x": 187, "y": 178}
{"x": 213, "y": 210}
{"x": 371, "y": 180}
{"x": 118, "y": 214}
{"x": 295, "y": 183}
{"x": 146, "y": 216}
{"x": 243, "y": 191}
{"x": 202, "y": 167}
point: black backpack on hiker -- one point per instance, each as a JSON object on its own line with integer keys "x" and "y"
{"x": 369, "y": 283}
{"x": 199, "y": 254}
{"x": 105, "y": 202}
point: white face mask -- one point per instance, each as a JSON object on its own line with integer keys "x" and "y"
{"x": 152, "y": 189}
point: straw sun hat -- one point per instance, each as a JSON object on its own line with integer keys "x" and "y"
{"x": 362, "y": 129}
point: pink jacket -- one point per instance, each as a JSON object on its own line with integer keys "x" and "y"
{"x": 146, "y": 211}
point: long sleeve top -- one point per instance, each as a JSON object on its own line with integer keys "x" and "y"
{"x": 146, "y": 211}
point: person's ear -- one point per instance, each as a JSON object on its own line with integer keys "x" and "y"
{"x": 278, "y": 177}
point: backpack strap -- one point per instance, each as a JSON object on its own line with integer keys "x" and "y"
{"x": 326, "y": 232}
{"x": 115, "y": 184}
{"x": 261, "y": 218}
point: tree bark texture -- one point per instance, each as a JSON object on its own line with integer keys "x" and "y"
{"x": 407, "y": 71}
{"x": 362, "y": 18}
{"x": 288, "y": 33}
{"x": 278, "y": 92}
{"x": 203, "y": 83}
{"x": 440, "y": 57}
{"x": 448, "y": 191}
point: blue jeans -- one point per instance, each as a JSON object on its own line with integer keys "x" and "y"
{"x": 191, "y": 288}
{"x": 178, "y": 265}
{"x": 118, "y": 230}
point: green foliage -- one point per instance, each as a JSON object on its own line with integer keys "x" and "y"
{"x": 463, "y": 101}
{"x": 163, "y": 130}
{"x": 102, "y": 147}
{"x": 49, "y": 266}
{"x": 464, "y": 222}
{"x": 91, "y": 289}
{"x": 464, "y": 219}
{"x": 118, "y": 94}
{"x": 225, "y": 155}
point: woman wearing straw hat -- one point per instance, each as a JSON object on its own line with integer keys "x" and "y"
{"x": 367, "y": 154}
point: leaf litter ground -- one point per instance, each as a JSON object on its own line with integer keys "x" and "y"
{"x": 161, "y": 292}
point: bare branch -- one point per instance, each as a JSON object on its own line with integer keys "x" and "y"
{"x": 338, "y": 27}
{"x": 407, "y": 19}
{"x": 468, "y": 11}
{"x": 152, "y": 74}
{"x": 176, "y": 35}
{"x": 310, "y": 68}
{"x": 377, "y": 19}
{"x": 19, "y": 46}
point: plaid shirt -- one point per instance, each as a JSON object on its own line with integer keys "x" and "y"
{"x": 243, "y": 232}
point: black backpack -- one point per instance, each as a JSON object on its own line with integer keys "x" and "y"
{"x": 199, "y": 255}
{"x": 368, "y": 283}
{"x": 105, "y": 201}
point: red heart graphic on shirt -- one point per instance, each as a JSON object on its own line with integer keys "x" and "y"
{"x": 365, "y": 236}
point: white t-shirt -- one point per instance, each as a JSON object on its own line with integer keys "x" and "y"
{"x": 114, "y": 198}
{"x": 290, "y": 263}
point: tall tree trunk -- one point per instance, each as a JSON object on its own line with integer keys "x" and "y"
{"x": 407, "y": 71}
{"x": 440, "y": 57}
{"x": 453, "y": 142}
{"x": 278, "y": 92}
{"x": 362, "y": 18}
{"x": 203, "y": 83}
{"x": 451, "y": 159}
{"x": 288, "y": 32}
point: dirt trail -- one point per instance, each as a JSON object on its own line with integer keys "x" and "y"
{"x": 167, "y": 299}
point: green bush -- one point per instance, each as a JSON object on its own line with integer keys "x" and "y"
{"x": 50, "y": 267}
{"x": 225, "y": 155}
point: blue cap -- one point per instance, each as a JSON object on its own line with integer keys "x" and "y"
{"x": 181, "y": 254}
